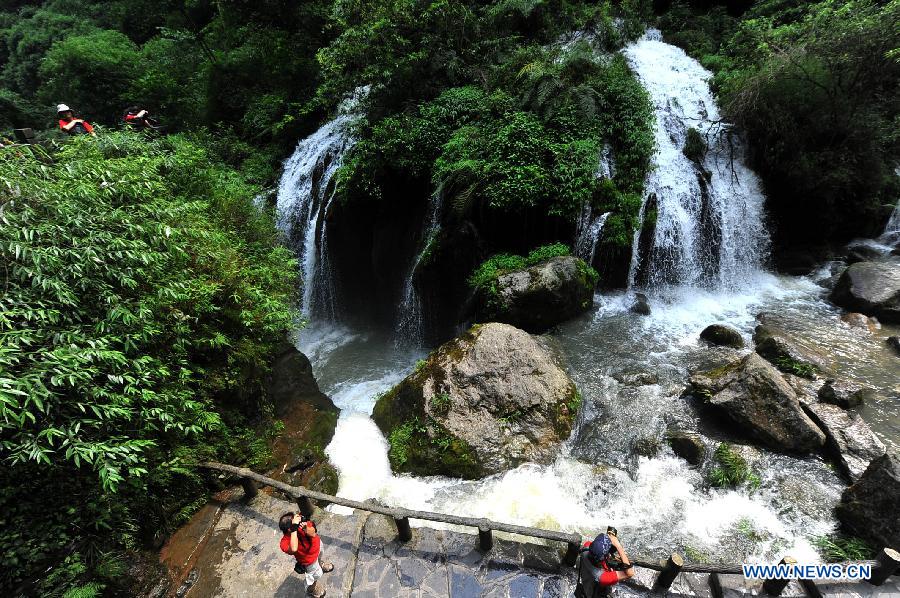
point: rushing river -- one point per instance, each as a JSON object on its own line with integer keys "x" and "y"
{"x": 705, "y": 266}
{"x": 658, "y": 503}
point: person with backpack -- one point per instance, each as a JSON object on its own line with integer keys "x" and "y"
{"x": 139, "y": 119}
{"x": 604, "y": 563}
{"x": 301, "y": 540}
{"x": 72, "y": 125}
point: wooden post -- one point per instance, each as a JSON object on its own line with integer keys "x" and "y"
{"x": 571, "y": 554}
{"x": 715, "y": 585}
{"x": 887, "y": 563}
{"x": 669, "y": 572}
{"x": 306, "y": 506}
{"x": 404, "y": 531}
{"x": 774, "y": 587}
{"x": 249, "y": 488}
{"x": 812, "y": 590}
{"x": 485, "y": 538}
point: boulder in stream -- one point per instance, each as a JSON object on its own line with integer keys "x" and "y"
{"x": 869, "y": 507}
{"x": 851, "y": 442}
{"x": 781, "y": 348}
{"x": 539, "y": 297}
{"x": 844, "y": 394}
{"x": 687, "y": 445}
{"x": 756, "y": 397}
{"x": 894, "y": 343}
{"x": 871, "y": 288}
{"x": 722, "y": 336}
{"x": 309, "y": 418}
{"x": 480, "y": 404}
{"x": 641, "y": 305}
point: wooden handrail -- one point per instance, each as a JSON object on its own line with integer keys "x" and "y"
{"x": 484, "y": 527}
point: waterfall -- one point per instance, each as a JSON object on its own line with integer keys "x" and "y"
{"x": 410, "y": 319}
{"x": 709, "y": 219}
{"x": 590, "y": 228}
{"x": 590, "y": 225}
{"x": 891, "y": 234}
{"x": 305, "y": 192}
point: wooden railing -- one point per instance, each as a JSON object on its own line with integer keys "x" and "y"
{"x": 887, "y": 563}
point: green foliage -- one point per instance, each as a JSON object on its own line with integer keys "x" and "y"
{"x": 427, "y": 448}
{"x": 418, "y": 368}
{"x": 694, "y": 145}
{"x": 440, "y": 403}
{"x": 838, "y": 548}
{"x": 731, "y": 469}
{"x": 486, "y": 274}
{"x": 798, "y": 368}
{"x": 144, "y": 296}
{"x": 92, "y": 71}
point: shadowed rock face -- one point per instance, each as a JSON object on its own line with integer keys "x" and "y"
{"x": 757, "y": 398}
{"x": 869, "y": 507}
{"x": 872, "y": 288}
{"x": 722, "y": 336}
{"x": 481, "y": 404}
{"x": 850, "y": 441}
{"x": 540, "y": 297}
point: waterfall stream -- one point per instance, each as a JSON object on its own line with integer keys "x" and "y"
{"x": 305, "y": 192}
{"x": 410, "y": 318}
{"x": 707, "y": 254}
{"x": 709, "y": 227}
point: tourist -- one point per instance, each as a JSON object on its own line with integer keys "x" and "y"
{"x": 301, "y": 540}
{"x": 604, "y": 563}
{"x": 72, "y": 125}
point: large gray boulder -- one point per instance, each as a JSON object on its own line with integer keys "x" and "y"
{"x": 871, "y": 288}
{"x": 540, "y": 296}
{"x": 844, "y": 394}
{"x": 779, "y": 346}
{"x": 869, "y": 507}
{"x": 850, "y": 441}
{"x": 722, "y": 336}
{"x": 482, "y": 403}
{"x": 756, "y": 397}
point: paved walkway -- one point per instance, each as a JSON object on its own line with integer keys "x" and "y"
{"x": 231, "y": 550}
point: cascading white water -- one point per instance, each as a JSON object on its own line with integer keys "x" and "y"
{"x": 590, "y": 228}
{"x": 410, "y": 318}
{"x": 305, "y": 192}
{"x": 891, "y": 234}
{"x": 709, "y": 221}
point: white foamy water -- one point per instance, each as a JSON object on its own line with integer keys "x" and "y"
{"x": 658, "y": 503}
{"x": 305, "y": 192}
{"x": 709, "y": 220}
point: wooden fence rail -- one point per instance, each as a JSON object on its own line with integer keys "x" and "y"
{"x": 887, "y": 564}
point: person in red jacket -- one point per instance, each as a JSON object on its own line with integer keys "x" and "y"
{"x": 301, "y": 540}
{"x": 598, "y": 574}
{"x": 72, "y": 125}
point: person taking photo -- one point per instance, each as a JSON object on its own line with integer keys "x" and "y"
{"x": 301, "y": 540}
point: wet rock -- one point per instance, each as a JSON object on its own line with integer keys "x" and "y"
{"x": 871, "y": 288}
{"x": 482, "y": 403}
{"x": 688, "y": 446}
{"x": 894, "y": 343}
{"x": 636, "y": 378}
{"x": 641, "y": 304}
{"x": 778, "y": 346}
{"x": 722, "y": 336}
{"x": 646, "y": 447}
{"x": 844, "y": 394}
{"x": 861, "y": 253}
{"x": 869, "y": 507}
{"x": 309, "y": 418}
{"x": 861, "y": 321}
{"x": 757, "y": 398}
{"x": 849, "y": 440}
{"x": 539, "y": 297}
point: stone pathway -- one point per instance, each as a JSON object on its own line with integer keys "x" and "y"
{"x": 236, "y": 554}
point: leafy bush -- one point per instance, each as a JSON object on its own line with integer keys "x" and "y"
{"x": 731, "y": 469}
{"x": 841, "y": 548}
{"x": 144, "y": 297}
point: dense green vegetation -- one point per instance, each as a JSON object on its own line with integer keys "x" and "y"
{"x": 731, "y": 469}
{"x": 816, "y": 87}
{"x": 144, "y": 296}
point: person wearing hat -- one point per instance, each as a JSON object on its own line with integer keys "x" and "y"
{"x": 70, "y": 124}
{"x": 597, "y": 574}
